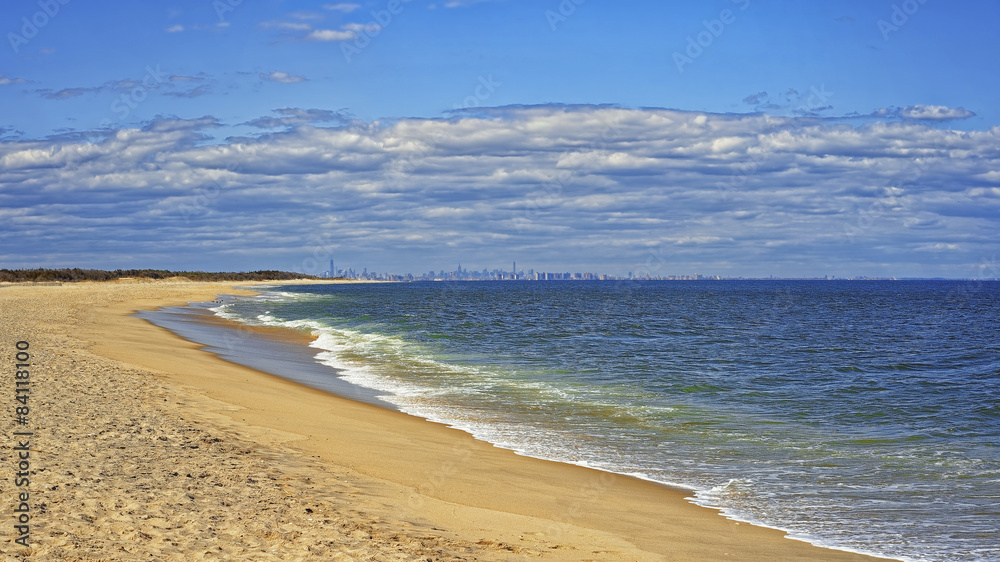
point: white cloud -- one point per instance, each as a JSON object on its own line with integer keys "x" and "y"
{"x": 6, "y": 80}
{"x": 306, "y": 15}
{"x": 286, "y": 25}
{"x": 330, "y": 35}
{"x": 935, "y": 112}
{"x": 290, "y": 117}
{"x": 743, "y": 194}
{"x": 282, "y": 77}
{"x": 463, "y": 3}
{"x": 301, "y": 31}
{"x": 939, "y": 247}
{"x": 921, "y": 113}
{"x": 178, "y": 28}
{"x": 66, "y": 93}
{"x": 342, "y": 7}
{"x": 370, "y": 28}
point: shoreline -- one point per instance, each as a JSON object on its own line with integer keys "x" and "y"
{"x": 280, "y": 351}
{"x": 490, "y": 503}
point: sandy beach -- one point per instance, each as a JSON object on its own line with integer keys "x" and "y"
{"x": 144, "y": 446}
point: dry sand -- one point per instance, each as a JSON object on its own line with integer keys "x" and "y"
{"x": 146, "y": 447}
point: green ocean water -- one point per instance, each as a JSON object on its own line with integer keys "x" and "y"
{"x": 857, "y": 415}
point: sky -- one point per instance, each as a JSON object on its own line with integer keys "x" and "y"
{"x": 723, "y": 137}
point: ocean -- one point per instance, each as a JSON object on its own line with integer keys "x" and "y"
{"x": 858, "y": 415}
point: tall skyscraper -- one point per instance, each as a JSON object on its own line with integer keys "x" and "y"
{"x": 333, "y": 272}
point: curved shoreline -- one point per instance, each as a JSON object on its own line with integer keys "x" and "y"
{"x": 275, "y": 330}
{"x": 412, "y": 471}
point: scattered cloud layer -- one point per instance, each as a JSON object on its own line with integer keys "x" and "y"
{"x": 180, "y": 28}
{"x": 281, "y": 77}
{"x": 292, "y": 117}
{"x": 154, "y": 81}
{"x": 464, "y": 3}
{"x": 330, "y": 35}
{"x": 935, "y": 113}
{"x": 566, "y": 187}
{"x": 6, "y": 80}
{"x": 922, "y": 113}
{"x": 308, "y": 25}
{"x": 342, "y": 7}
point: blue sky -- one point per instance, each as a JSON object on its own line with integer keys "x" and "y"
{"x": 729, "y": 137}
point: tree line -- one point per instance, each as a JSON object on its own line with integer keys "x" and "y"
{"x": 77, "y": 274}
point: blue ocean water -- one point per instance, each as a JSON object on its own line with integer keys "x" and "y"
{"x": 858, "y": 415}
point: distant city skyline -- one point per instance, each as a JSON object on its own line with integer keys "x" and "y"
{"x": 461, "y": 273}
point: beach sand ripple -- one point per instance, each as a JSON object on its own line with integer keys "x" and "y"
{"x": 124, "y": 468}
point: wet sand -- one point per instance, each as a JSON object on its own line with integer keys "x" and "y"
{"x": 144, "y": 444}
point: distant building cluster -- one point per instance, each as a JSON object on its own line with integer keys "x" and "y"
{"x": 463, "y": 274}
